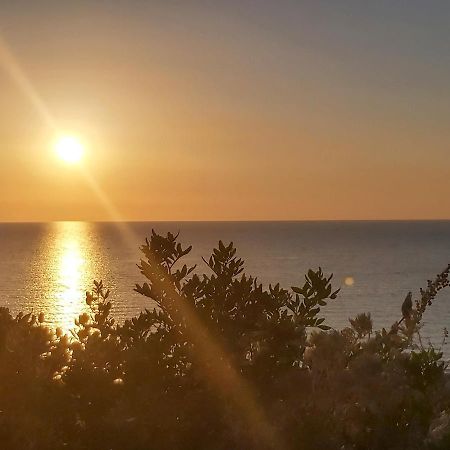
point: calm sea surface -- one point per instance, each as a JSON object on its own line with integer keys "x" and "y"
{"x": 47, "y": 267}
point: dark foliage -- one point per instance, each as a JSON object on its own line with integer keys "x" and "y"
{"x": 217, "y": 362}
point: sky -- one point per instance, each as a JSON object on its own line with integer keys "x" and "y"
{"x": 226, "y": 110}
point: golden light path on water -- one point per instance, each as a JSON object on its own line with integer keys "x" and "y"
{"x": 71, "y": 268}
{"x": 70, "y": 264}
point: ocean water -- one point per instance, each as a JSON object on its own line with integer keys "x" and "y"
{"x": 48, "y": 266}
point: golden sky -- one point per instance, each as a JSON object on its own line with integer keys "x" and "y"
{"x": 226, "y": 110}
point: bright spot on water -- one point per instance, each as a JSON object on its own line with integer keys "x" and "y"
{"x": 69, "y": 267}
{"x": 71, "y": 270}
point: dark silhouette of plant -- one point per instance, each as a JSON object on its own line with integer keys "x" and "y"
{"x": 362, "y": 324}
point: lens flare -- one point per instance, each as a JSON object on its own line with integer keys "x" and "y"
{"x": 349, "y": 281}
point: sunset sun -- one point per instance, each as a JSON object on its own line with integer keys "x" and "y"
{"x": 69, "y": 149}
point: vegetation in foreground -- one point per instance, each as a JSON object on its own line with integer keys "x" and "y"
{"x": 222, "y": 363}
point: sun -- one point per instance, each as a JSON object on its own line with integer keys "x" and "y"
{"x": 69, "y": 149}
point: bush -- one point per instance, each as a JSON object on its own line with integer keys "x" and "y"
{"x": 221, "y": 362}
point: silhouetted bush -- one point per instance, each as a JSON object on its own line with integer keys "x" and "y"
{"x": 222, "y": 363}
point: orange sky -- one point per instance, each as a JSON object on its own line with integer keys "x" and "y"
{"x": 226, "y": 111}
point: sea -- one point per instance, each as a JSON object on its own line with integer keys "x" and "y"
{"x": 47, "y": 267}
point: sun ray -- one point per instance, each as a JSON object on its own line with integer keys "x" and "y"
{"x": 11, "y": 66}
{"x": 212, "y": 356}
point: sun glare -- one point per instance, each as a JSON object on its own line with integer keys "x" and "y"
{"x": 69, "y": 149}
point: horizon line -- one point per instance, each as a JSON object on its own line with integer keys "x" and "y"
{"x": 220, "y": 221}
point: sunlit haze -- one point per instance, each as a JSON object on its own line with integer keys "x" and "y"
{"x": 225, "y": 110}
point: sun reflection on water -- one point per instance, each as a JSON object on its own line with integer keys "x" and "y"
{"x": 70, "y": 265}
{"x": 71, "y": 269}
